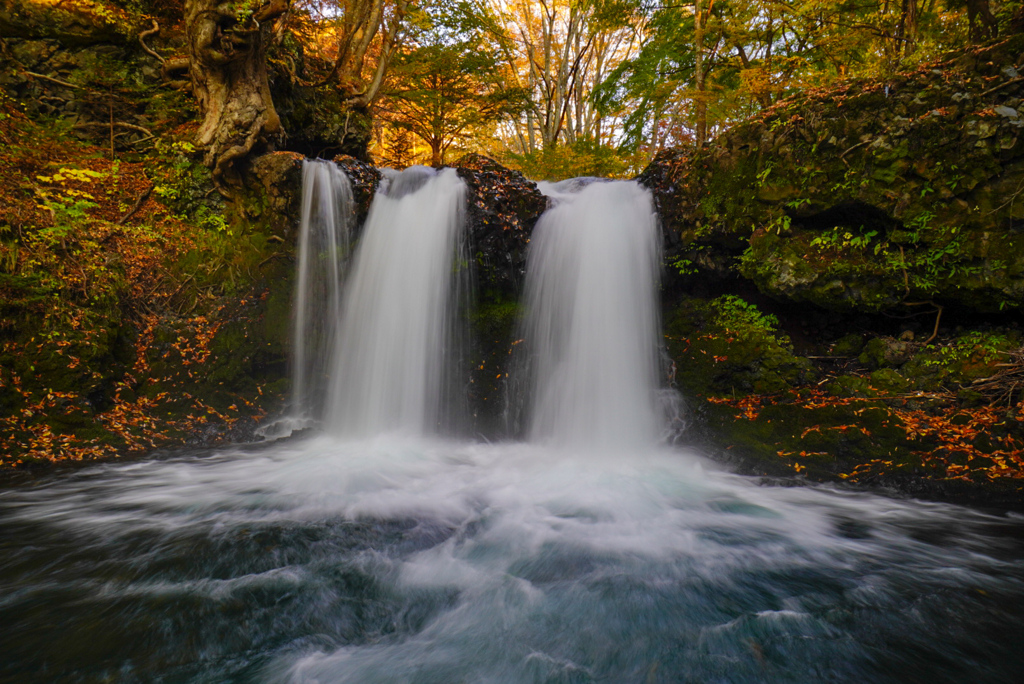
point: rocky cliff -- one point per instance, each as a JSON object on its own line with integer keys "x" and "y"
{"x": 845, "y": 275}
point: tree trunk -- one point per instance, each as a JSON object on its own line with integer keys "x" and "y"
{"x": 435, "y": 153}
{"x": 906, "y": 29}
{"x": 978, "y": 10}
{"x": 700, "y": 104}
{"x": 227, "y": 51}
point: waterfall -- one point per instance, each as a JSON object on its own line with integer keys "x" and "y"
{"x": 405, "y": 558}
{"x": 395, "y": 342}
{"x": 324, "y": 236}
{"x": 591, "y": 320}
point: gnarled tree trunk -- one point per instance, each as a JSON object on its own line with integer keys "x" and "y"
{"x": 227, "y": 42}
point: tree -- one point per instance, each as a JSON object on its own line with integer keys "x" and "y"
{"x": 706, "y": 63}
{"x": 449, "y": 81}
{"x": 358, "y": 38}
{"x": 227, "y": 43}
{"x": 442, "y": 92}
{"x": 982, "y": 23}
{"x": 558, "y": 51}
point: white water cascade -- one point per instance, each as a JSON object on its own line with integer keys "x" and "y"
{"x": 325, "y": 233}
{"x": 591, "y": 316}
{"x": 396, "y": 332}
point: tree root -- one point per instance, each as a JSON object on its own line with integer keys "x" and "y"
{"x": 138, "y": 205}
{"x": 938, "y": 317}
{"x": 57, "y": 81}
{"x": 146, "y": 34}
{"x": 1005, "y": 383}
{"x": 223, "y": 174}
{"x": 117, "y": 124}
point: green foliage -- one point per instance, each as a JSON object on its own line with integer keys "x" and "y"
{"x": 735, "y": 314}
{"x": 638, "y": 88}
{"x": 758, "y": 52}
{"x": 980, "y": 346}
{"x": 68, "y": 216}
{"x": 244, "y": 9}
{"x": 727, "y": 345}
{"x": 840, "y": 239}
{"x": 685, "y": 267}
{"x": 453, "y": 83}
{"x": 213, "y": 220}
{"x": 182, "y": 182}
{"x": 584, "y": 158}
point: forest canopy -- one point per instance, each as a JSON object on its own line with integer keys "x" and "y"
{"x": 553, "y": 87}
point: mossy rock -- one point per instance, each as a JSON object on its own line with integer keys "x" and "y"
{"x": 848, "y": 346}
{"x": 889, "y": 381}
{"x": 885, "y": 352}
{"x": 726, "y": 345}
{"x": 850, "y": 386}
{"x": 866, "y": 196}
{"x": 823, "y": 442}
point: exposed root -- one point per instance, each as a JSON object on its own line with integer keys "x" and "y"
{"x": 146, "y": 34}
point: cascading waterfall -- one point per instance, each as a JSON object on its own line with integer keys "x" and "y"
{"x": 396, "y": 333}
{"x": 325, "y": 232}
{"x": 591, "y": 318}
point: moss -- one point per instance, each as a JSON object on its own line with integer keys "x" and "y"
{"x": 727, "y": 345}
{"x": 884, "y": 352}
{"x": 889, "y": 381}
{"x": 970, "y": 398}
{"x": 277, "y": 312}
{"x": 492, "y": 320}
{"x": 849, "y": 386}
{"x": 928, "y": 178}
{"x": 849, "y": 346}
{"x": 924, "y": 372}
{"x": 970, "y": 356}
{"x": 496, "y": 318}
{"x": 821, "y": 442}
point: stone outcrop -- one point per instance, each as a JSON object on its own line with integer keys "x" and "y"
{"x": 503, "y": 206}
{"x": 867, "y": 196}
{"x": 843, "y": 280}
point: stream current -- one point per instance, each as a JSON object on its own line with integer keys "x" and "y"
{"x": 418, "y": 560}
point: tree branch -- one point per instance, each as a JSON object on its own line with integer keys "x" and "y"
{"x": 59, "y": 82}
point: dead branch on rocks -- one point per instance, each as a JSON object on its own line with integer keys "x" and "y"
{"x": 1007, "y": 381}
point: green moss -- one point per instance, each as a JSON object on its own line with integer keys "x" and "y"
{"x": 889, "y": 381}
{"x": 911, "y": 175}
{"x": 849, "y": 386}
{"x": 972, "y": 355}
{"x": 277, "y": 312}
{"x": 820, "y": 442}
{"x": 884, "y": 352}
{"x": 849, "y": 346}
{"x": 727, "y": 345}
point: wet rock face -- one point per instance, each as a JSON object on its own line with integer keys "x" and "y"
{"x": 503, "y": 207}
{"x": 365, "y": 179}
{"x": 279, "y": 176}
{"x": 865, "y": 197}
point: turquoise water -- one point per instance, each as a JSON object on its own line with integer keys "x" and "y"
{"x": 416, "y": 560}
